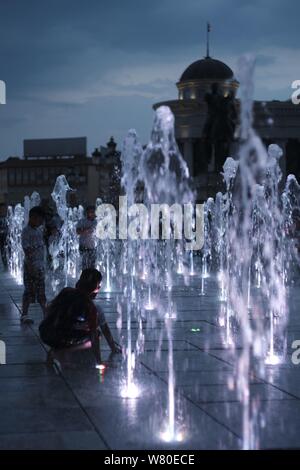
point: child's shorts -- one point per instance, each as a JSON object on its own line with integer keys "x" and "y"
{"x": 34, "y": 285}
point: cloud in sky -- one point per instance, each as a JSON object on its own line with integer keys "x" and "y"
{"x": 95, "y": 68}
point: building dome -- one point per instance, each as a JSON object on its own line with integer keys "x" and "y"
{"x": 207, "y": 69}
{"x": 197, "y": 80}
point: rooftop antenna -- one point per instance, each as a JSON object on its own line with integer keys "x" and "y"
{"x": 207, "y": 40}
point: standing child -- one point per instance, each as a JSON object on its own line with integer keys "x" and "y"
{"x": 86, "y": 229}
{"x": 3, "y": 233}
{"x": 34, "y": 265}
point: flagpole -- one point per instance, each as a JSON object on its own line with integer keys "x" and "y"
{"x": 207, "y": 39}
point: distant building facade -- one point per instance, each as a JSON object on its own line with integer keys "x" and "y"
{"x": 44, "y": 159}
{"x": 275, "y": 121}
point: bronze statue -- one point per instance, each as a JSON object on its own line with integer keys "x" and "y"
{"x": 219, "y": 127}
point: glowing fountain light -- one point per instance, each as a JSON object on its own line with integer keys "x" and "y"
{"x": 171, "y": 433}
{"x": 149, "y": 305}
{"x": 180, "y": 269}
{"x": 229, "y": 339}
{"x": 221, "y": 279}
{"x": 172, "y": 436}
{"x": 130, "y": 390}
{"x": 108, "y": 283}
{"x": 169, "y": 282}
{"x": 124, "y": 261}
{"x": 133, "y": 292}
{"x": 144, "y": 274}
{"x": 130, "y": 157}
{"x": 272, "y": 358}
{"x": 202, "y": 291}
{"x": 171, "y": 381}
{"x": 205, "y": 273}
{"x": 258, "y": 268}
{"x": 192, "y": 270}
{"x": 170, "y": 315}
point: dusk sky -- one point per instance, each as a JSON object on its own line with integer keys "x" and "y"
{"x": 94, "y": 68}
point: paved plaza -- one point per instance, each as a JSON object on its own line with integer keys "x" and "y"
{"x": 81, "y": 408}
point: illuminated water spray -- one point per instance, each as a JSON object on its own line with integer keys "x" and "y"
{"x": 165, "y": 177}
{"x": 130, "y": 156}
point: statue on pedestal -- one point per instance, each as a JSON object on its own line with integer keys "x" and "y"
{"x": 219, "y": 127}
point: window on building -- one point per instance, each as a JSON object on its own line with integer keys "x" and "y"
{"x": 51, "y": 174}
{"x": 46, "y": 175}
{"x": 58, "y": 171}
{"x": 25, "y": 176}
{"x": 11, "y": 177}
{"x": 19, "y": 176}
{"x": 186, "y": 94}
{"x": 39, "y": 175}
{"x": 32, "y": 175}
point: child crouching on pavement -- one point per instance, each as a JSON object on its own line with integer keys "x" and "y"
{"x": 73, "y": 320}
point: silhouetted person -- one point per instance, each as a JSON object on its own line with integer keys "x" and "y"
{"x": 33, "y": 245}
{"x": 86, "y": 229}
{"x": 3, "y": 233}
{"x": 73, "y": 321}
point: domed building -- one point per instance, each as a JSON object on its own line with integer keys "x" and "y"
{"x": 198, "y": 78}
{"x": 275, "y": 121}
